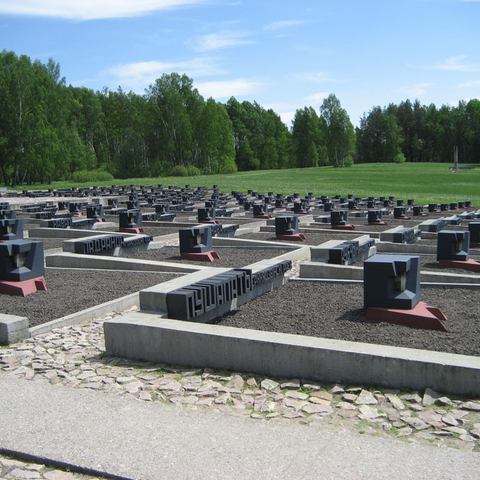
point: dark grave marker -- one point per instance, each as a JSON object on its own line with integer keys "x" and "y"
{"x": 131, "y": 221}
{"x": 196, "y": 244}
{"x": 11, "y": 229}
{"x": 22, "y": 269}
{"x": 286, "y": 228}
{"x": 392, "y": 293}
{"x": 375, "y": 217}
{"x": 339, "y": 220}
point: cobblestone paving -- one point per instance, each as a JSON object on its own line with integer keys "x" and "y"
{"x": 74, "y": 357}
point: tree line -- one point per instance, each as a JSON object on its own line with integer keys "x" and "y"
{"x": 50, "y": 131}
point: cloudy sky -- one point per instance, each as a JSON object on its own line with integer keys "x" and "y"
{"x": 283, "y": 54}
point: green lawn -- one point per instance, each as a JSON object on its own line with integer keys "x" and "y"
{"x": 424, "y": 182}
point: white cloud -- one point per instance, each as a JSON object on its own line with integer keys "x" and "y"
{"x": 454, "y": 64}
{"x": 89, "y": 9}
{"x": 284, "y": 23}
{"x": 473, "y": 83}
{"x": 416, "y": 90}
{"x": 228, "y": 88}
{"x": 139, "y": 75}
{"x": 315, "y": 77}
{"x": 317, "y": 98}
{"x": 225, "y": 38}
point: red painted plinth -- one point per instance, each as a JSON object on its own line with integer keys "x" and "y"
{"x": 421, "y": 215}
{"x": 211, "y": 222}
{"x": 378, "y": 223}
{"x": 136, "y": 230}
{"x": 79, "y": 214}
{"x": 402, "y": 218}
{"x": 348, "y": 226}
{"x": 474, "y": 245}
{"x": 99, "y": 220}
{"x": 24, "y": 287}
{"x": 266, "y": 217}
{"x": 299, "y": 237}
{"x": 201, "y": 257}
{"x": 470, "y": 264}
{"x": 301, "y": 213}
{"x": 422, "y": 316}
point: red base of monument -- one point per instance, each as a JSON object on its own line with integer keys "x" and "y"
{"x": 266, "y": 217}
{"x": 421, "y": 316}
{"x": 474, "y": 245}
{"x": 348, "y": 226}
{"x": 24, "y": 287}
{"x": 470, "y": 264}
{"x": 136, "y": 230}
{"x": 211, "y": 222}
{"x": 100, "y": 220}
{"x": 378, "y": 223}
{"x": 301, "y": 213}
{"x": 299, "y": 237}
{"x": 402, "y": 218}
{"x": 421, "y": 215}
{"x": 201, "y": 257}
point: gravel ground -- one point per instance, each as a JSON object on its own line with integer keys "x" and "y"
{"x": 229, "y": 257}
{"x": 336, "y": 311}
{"x": 311, "y": 238}
{"x": 70, "y": 291}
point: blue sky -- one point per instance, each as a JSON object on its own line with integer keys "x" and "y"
{"x": 283, "y": 54}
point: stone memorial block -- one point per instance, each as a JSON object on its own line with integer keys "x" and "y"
{"x": 11, "y": 229}
{"x": 400, "y": 203}
{"x": 392, "y": 281}
{"x": 301, "y": 207}
{"x": 195, "y": 240}
{"x": 64, "y": 222}
{"x": 371, "y": 204}
{"x": 453, "y": 206}
{"x": 433, "y": 207}
{"x": 400, "y": 212}
{"x": 4, "y": 206}
{"x": 339, "y": 218}
{"x": 433, "y": 225}
{"x": 207, "y": 214}
{"x": 453, "y": 245}
{"x": 350, "y": 252}
{"x": 7, "y": 214}
{"x": 130, "y": 219}
{"x": 260, "y": 210}
{"x": 468, "y": 204}
{"x": 287, "y": 225}
{"x": 444, "y": 207}
{"x": 461, "y": 204}
{"x": 474, "y": 229}
{"x": 95, "y": 210}
{"x": 410, "y": 202}
{"x": 76, "y": 208}
{"x": 375, "y": 217}
{"x": 328, "y": 206}
{"x": 418, "y": 211}
{"x": 21, "y": 260}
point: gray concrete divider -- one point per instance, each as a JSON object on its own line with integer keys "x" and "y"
{"x": 149, "y": 337}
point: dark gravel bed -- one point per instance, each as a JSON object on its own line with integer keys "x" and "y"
{"x": 336, "y": 311}
{"x": 229, "y": 257}
{"x": 159, "y": 231}
{"x": 71, "y": 291}
{"x": 49, "y": 243}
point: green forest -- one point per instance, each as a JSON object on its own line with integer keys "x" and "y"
{"x": 50, "y": 131}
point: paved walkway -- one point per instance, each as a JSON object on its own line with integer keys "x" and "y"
{"x": 62, "y": 401}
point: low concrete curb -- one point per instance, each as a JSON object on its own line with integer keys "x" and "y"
{"x": 148, "y": 337}
{"x": 322, "y": 270}
{"x": 72, "y": 260}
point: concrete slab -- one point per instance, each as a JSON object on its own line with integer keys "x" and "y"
{"x": 151, "y": 338}
{"x": 71, "y": 260}
{"x": 13, "y": 328}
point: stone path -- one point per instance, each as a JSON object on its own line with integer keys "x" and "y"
{"x": 74, "y": 357}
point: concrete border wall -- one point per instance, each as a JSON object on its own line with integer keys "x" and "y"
{"x": 149, "y": 337}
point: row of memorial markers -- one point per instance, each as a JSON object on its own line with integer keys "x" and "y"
{"x": 391, "y": 282}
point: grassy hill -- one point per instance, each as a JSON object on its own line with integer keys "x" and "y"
{"x": 424, "y": 182}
